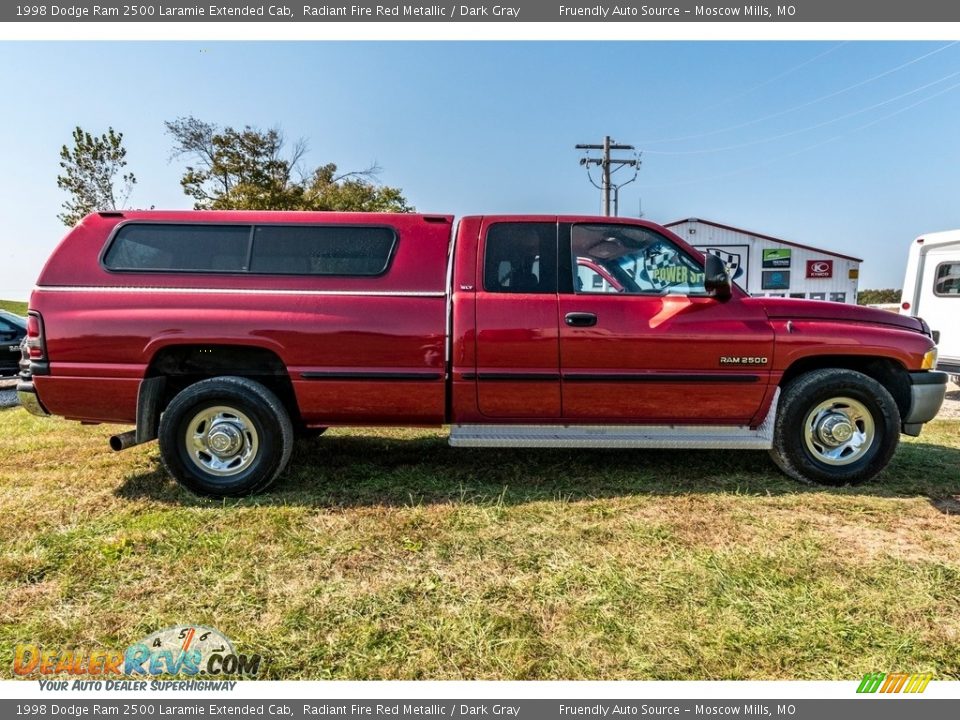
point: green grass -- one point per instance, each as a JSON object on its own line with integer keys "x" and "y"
{"x": 387, "y": 554}
{"x": 14, "y": 306}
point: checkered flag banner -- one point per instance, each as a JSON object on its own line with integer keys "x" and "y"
{"x": 652, "y": 262}
{"x": 730, "y": 260}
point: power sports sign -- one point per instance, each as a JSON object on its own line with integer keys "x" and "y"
{"x": 819, "y": 268}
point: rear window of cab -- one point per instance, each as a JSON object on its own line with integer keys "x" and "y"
{"x": 342, "y": 250}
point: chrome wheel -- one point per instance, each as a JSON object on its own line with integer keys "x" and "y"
{"x": 221, "y": 441}
{"x": 839, "y": 431}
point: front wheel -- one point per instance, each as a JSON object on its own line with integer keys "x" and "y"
{"x": 835, "y": 427}
{"x": 225, "y": 437}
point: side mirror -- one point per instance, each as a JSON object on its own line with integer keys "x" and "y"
{"x": 716, "y": 281}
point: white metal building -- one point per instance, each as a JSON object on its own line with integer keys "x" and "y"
{"x": 768, "y": 266}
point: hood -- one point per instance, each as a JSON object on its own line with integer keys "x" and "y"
{"x": 795, "y": 309}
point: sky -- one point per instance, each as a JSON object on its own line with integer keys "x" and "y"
{"x": 849, "y": 146}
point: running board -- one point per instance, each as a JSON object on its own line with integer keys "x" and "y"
{"x": 680, "y": 437}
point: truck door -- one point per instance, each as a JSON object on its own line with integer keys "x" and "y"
{"x": 518, "y": 366}
{"x": 641, "y": 341}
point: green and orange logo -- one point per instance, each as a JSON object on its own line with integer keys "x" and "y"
{"x": 182, "y": 650}
{"x": 894, "y": 682}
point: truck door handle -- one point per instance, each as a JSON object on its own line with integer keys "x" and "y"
{"x": 581, "y": 319}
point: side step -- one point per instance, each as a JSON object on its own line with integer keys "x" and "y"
{"x": 688, "y": 437}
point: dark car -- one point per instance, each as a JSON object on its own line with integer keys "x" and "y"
{"x": 13, "y": 328}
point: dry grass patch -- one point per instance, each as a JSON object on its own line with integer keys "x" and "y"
{"x": 387, "y": 554}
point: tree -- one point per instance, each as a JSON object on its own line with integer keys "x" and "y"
{"x": 878, "y": 297}
{"x": 253, "y": 169}
{"x": 90, "y": 174}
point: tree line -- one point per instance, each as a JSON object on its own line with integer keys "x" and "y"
{"x": 878, "y": 297}
{"x": 246, "y": 169}
{"x": 226, "y": 169}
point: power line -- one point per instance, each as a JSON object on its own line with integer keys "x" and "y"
{"x": 815, "y": 126}
{"x": 803, "y": 150}
{"x": 808, "y": 103}
{"x": 727, "y": 99}
{"x": 730, "y": 98}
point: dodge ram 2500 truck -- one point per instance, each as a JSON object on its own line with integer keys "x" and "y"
{"x": 226, "y": 334}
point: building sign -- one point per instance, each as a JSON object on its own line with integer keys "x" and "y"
{"x": 819, "y": 268}
{"x": 775, "y": 280}
{"x": 776, "y": 258}
{"x": 735, "y": 257}
{"x": 853, "y": 273}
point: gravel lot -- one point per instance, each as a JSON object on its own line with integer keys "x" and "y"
{"x": 951, "y": 406}
{"x": 8, "y": 392}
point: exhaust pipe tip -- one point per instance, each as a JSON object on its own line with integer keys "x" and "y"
{"x": 123, "y": 440}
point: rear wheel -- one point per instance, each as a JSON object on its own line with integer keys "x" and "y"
{"x": 225, "y": 437}
{"x": 835, "y": 427}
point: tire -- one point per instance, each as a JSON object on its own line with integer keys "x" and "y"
{"x": 250, "y": 450}
{"x": 835, "y": 427}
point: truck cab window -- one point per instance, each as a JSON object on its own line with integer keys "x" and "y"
{"x": 632, "y": 260}
{"x": 521, "y": 258}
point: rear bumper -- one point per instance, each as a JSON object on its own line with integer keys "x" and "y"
{"x": 927, "y": 390}
{"x": 27, "y": 396}
{"x": 26, "y": 392}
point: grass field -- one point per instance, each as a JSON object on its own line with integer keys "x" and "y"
{"x": 14, "y": 306}
{"x": 387, "y": 554}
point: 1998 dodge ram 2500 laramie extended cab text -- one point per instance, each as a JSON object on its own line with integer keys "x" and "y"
{"x": 226, "y": 334}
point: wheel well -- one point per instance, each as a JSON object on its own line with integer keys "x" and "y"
{"x": 889, "y": 373}
{"x": 183, "y": 365}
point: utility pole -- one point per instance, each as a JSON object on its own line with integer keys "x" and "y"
{"x": 608, "y": 166}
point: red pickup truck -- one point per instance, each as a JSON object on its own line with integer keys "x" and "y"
{"x": 227, "y": 334}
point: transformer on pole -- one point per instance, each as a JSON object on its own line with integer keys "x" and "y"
{"x": 608, "y": 167}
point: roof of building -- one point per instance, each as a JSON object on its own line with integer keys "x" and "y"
{"x": 765, "y": 237}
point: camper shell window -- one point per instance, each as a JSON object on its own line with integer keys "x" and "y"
{"x": 339, "y": 250}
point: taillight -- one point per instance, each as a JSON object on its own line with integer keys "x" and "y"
{"x": 36, "y": 342}
{"x": 906, "y": 306}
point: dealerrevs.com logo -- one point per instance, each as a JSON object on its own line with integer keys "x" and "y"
{"x": 191, "y": 650}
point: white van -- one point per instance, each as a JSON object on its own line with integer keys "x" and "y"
{"x": 931, "y": 290}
